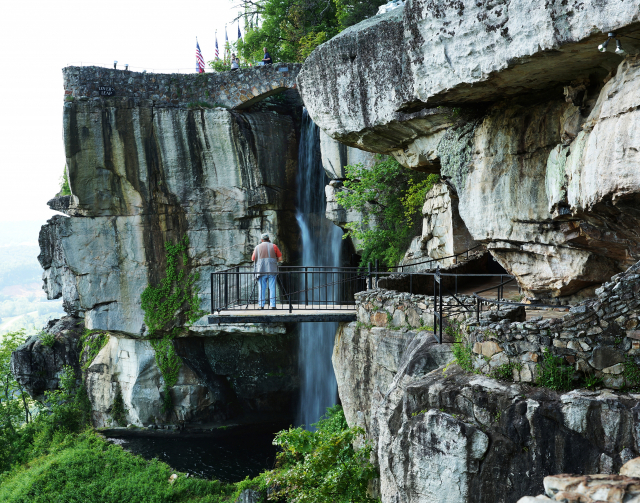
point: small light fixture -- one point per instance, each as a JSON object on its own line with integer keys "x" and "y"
{"x": 619, "y": 50}
{"x": 115, "y": 63}
{"x": 126, "y": 67}
{"x": 603, "y": 46}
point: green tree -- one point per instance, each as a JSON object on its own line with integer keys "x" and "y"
{"x": 389, "y": 198}
{"x": 291, "y": 29}
{"x": 15, "y": 404}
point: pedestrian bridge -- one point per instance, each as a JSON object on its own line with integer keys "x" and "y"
{"x": 327, "y": 294}
{"x": 303, "y": 294}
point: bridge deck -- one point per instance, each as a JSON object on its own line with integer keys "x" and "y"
{"x": 282, "y": 315}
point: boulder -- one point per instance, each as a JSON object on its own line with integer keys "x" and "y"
{"x": 38, "y": 367}
{"x": 441, "y": 434}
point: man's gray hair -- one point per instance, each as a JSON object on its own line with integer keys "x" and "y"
{"x": 265, "y": 237}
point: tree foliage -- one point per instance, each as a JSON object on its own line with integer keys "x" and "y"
{"x": 15, "y": 404}
{"x": 65, "y": 189}
{"x": 389, "y": 198}
{"x": 291, "y": 29}
{"x": 322, "y": 465}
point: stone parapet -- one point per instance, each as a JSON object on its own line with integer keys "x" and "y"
{"x": 234, "y": 89}
{"x": 599, "y": 337}
{"x": 388, "y": 308}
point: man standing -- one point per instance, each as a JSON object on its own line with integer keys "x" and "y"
{"x": 267, "y": 57}
{"x": 266, "y": 257}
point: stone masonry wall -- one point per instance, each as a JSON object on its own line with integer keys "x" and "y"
{"x": 599, "y": 337}
{"x": 388, "y": 308}
{"x": 233, "y": 89}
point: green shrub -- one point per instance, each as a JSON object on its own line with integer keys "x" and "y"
{"x": 591, "y": 381}
{"x": 505, "y": 371}
{"x": 47, "y": 339}
{"x": 462, "y": 350}
{"x": 553, "y": 373}
{"x": 631, "y": 372}
{"x": 65, "y": 188}
{"x": 390, "y": 198}
{"x": 85, "y": 468}
{"x": 15, "y": 405}
{"x": 118, "y": 410}
{"x": 322, "y": 465}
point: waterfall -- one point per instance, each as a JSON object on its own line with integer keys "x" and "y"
{"x": 321, "y": 246}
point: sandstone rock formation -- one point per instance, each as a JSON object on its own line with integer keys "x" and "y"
{"x": 147, "y": 166}
{"x": 365, "y": 86}
{"x": 444, "y": 233}
{"x": 144, "y": 173}
{"x": 540, "y": 154}
{"x": 444, "y": 435}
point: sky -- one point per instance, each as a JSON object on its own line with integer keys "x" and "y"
{"x": 40, "y": 37}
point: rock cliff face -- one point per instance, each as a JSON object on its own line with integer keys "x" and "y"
{"x": 444, "y": 435}
{"x": 148, "y": 167}
{"x": 540, "y": 144}
{"x": 144, "y": 174}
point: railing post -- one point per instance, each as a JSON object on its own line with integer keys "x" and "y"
{"x": 435, "y": 307}
{"x": 212, "y": 293}
{"x": 477, "y": 309}
{"x": 226, "y": 289}
{"x": 376, "y": 273}
{"x": 369, "y": 276}
{"x": 440, "y": 295}
{"x": 238, "y": 284}
{"x": 411, "y": 283}
{"x": 306, "y": 288}
{"x": 290, "y": 306}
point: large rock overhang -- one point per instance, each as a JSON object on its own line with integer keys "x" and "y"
{"x": 378, "y": 85}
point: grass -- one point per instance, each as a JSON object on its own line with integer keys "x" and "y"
{"x": 505, "y": 371}
{"x": 553, "y": 373}
{"x": 85, "y": 468}
{"x": 462, "y": 350}
{"x": 47, "y": 339}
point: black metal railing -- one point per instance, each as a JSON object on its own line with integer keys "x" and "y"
{"x": 436, "y": 261}
{"x": 334, "y": 288}
{"x": 304, "y": 287}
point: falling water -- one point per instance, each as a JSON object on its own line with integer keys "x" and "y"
{"x": 321, "y": 246}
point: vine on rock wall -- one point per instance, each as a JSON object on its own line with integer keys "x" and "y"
{"x": 91, "y": 341}
{"x": 168, "y": 306}
{"x": 118, "y": 409}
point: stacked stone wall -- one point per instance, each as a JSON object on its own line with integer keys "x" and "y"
{"x": 599, "y": 337}
{"x": 389, "y": 308}
{"x": 233, "y": 89}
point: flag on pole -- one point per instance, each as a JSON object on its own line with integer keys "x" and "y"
{"x": 217, "y": 53}
{"x": 226, "y": 44}
{"x": 239, "y": 34}
{"x": 199, "y": 58}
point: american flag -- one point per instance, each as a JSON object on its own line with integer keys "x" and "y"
{"x": 217, "y": 53}
{"x": 239, "y": 34}
{"x": 199, "y": 59}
